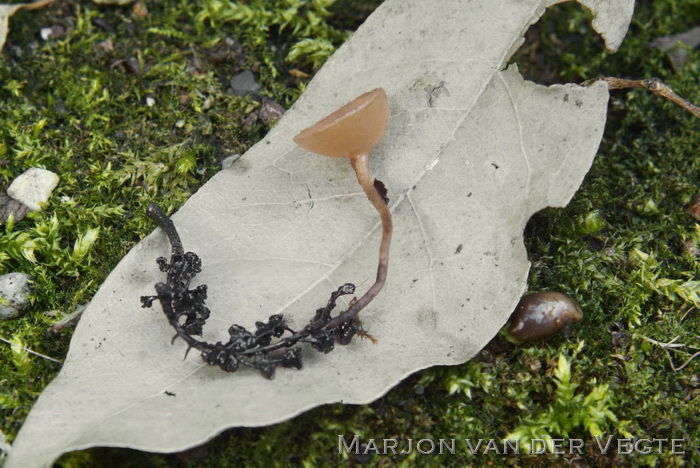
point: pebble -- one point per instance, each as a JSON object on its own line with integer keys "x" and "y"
{"x": 250, "y": 120}
{"x": 270, "y": 111}
{"x": 14, "y": 294}
{"x": 9, "y": 206}
{"x": 33, "y": 187}
{"x": 244, "y": 84}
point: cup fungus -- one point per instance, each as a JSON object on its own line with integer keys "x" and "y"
{"x": 352, "y": 132}
{"x": 539, "y": 315}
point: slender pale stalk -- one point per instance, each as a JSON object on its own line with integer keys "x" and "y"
{"x": 352, "y": 132}
{"x": 361, "y": 165}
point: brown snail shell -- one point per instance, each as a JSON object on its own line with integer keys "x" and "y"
{"x": 539, "y": 315}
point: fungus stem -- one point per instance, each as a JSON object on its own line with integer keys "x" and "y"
{"x": 155, "y": 212}
{"x": 361, "y": 165}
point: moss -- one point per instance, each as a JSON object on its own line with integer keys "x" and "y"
{"x": 623, "y": 248}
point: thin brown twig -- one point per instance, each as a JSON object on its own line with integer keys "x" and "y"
{"x": 654, "y": 85}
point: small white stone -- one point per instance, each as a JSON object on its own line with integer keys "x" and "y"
{"x": 46, "y": 33}
{"x": 33, "y": 187}
{"x": 14, "y": 294}
{"x": 150, "y": 102}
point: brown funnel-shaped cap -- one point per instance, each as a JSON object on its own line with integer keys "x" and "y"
{"x": 356, "y": 128}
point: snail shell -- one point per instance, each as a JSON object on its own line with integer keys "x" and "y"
{"x": 539, "y": 315}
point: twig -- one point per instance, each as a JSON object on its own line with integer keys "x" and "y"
{"x": 30, "y": 351}
{"x": 69, "y": 320}
{"x": 156, "y": 214}
{"x": 654, "y": 85}
{"x": 185, "y": 310}
{"x": 676, "y": 369}
{"x": 671, "y": 344}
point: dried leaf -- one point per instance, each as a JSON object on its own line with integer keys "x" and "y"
{"x": 8, "y": 10}
{"x": 677, "y": 45}
{"x": 472, "y": 151}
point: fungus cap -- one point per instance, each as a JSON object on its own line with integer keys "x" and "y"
{"x": 354, "y": 129}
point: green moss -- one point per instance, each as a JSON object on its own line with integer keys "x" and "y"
{"x": 623, "y": 248}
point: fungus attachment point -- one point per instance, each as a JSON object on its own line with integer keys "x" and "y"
{"x": 352, "y": 132}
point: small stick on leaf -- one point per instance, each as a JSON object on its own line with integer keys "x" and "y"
{"x": 352, "y": 132}
{"x": 265, "y": 348}
{"x": 654, "y": 85}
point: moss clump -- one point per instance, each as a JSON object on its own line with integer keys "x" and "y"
{"x": 623, "y": 248}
